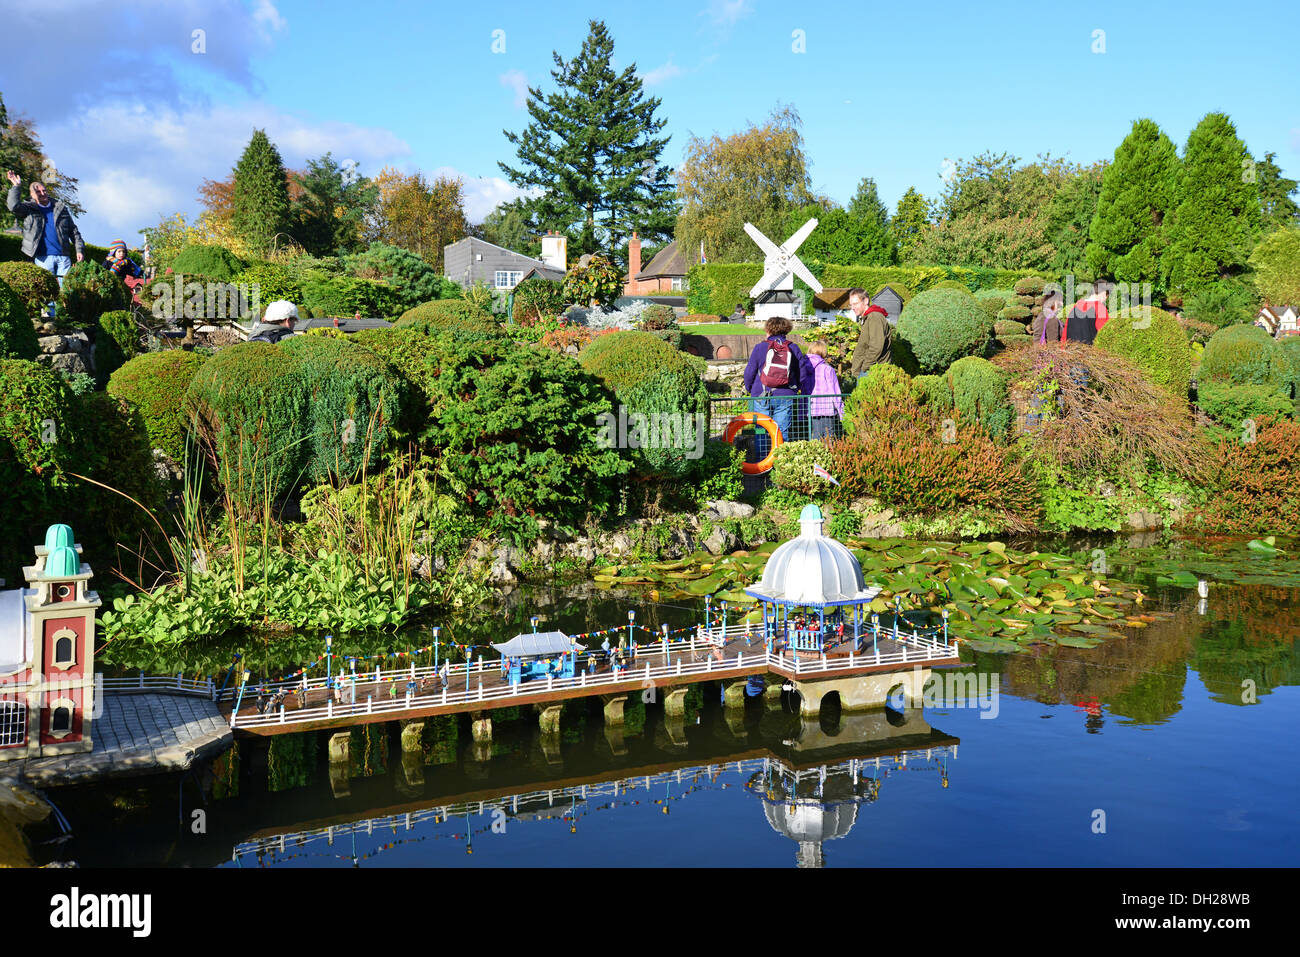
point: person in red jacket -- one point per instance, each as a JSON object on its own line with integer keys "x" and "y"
{"x": 1086, "y": 317}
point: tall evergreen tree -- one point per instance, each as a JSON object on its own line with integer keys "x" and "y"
{"x": 866, "y": 204}
{"x": 1069, "y": 216}
{"x": 1276, "y": 207}
{"x": 911, "y": 219}
{"x": 261, "y": 196}
{"x": 1138, "y": 189}
{"x": 1215, "y": 223}
{"x": 592, "y": 149}
{"x": 335, "y": 201}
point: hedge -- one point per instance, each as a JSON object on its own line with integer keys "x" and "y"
{"x": 270, "y": 282}
{"x": 1007, "y": 327}
{"x": 1244, "y": 355}
{"x": 448, "y": 314}
{"x": 942, "y": 326}
{"x": 17, "y": 335}
{"x": 89, "y": 291}
{"x": 156, "y": 382}
{"x": 1231, "y": 404}
{"x": 209, "y": 262}
{"x": 36, "y": 287}
{"x": 1159, "y": 349}
{"x": 344, "y": 296}
{"x": 1013, "y": 311}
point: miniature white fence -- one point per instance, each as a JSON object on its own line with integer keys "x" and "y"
{"x": 177, "y": 684}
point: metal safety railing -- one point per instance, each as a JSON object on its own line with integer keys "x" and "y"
{"x": 203, "y": 687}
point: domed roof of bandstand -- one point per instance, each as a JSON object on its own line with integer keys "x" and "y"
{"x": 813, "y": 569}
{"x": 810, "y": 823}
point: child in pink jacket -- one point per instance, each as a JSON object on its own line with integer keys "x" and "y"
{"x": 826, "y": 407}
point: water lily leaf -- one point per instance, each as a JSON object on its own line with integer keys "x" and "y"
{"x": 1098, "y": 630}
{"x": 993, "y": 645}
{"x": 1077, "y": 641}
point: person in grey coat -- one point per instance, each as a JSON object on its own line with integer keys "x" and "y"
{"x": 50, "y": 237}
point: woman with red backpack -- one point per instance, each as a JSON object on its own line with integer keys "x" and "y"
{"x": 777, "y": 375}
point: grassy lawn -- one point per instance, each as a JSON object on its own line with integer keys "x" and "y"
{"x": 720, "y": 329}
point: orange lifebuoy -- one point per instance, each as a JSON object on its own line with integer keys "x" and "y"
{"x": 763, "y": 422}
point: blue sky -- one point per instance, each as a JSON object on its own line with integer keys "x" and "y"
{"x": 889, "y": 92}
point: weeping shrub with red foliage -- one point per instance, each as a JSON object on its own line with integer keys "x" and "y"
{"x": 1255, "y": 490}
{"x": 900, "y": 457}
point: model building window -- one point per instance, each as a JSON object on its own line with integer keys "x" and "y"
{"x": 13, "y": 723}
{"x": 61, "y": 720}
{"x": 65, "y": 645}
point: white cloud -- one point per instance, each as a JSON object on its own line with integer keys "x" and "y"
{"x": 267, "y": 16}
{"x": 482, "y": 193}
{"x": 661, "y": 74}
{"x": 727, "y": 12}
{"x": 516, "y": 80}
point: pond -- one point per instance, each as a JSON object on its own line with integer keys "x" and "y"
{"x": 1172, "y": 746}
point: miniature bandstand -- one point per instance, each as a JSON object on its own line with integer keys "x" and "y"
{"x": 538, "y": 655}
{"x": 813, "y": 594}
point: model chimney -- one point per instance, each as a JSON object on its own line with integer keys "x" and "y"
{"x": 554, "y": 251}
{"x": 633, "y": 258}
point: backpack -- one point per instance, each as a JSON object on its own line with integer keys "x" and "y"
{"x": 776, "y": 365}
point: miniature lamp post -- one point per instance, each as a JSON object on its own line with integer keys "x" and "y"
{"x": 723, "y": 603}
{"x": 534, "y": 620}
{"x": 631, "y": 620}
{"x": 708, "y": 612}
{"x": 898, "y": 610}
{"x": 329, "y": 659}
{"x": 667, "y": 655}
{"x": 436, "y": 629}
{"x": 945, "y": 625}
{"x": 875, "y": 630}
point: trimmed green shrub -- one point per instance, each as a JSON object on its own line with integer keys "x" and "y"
{"x": 942, "y": 326}
{"x": 251, "y": 404}
{"x": 409, "y": 279}
{"x": 17, "y": 335}
{"x": 991, "y": 305}
{"x": 353, "y": 399}
{"x": 116, "y": 341}
{"x": 1289, "y": 347}
{"x": 208, "y": 262}
{"x": 662, "y": 322}
{"x": 537, "y": 300}
{"x": 449, "y": 314}
{"x": 792, "y": 466}
{"x": 89, "y": 291}
{"x": 11, "y": 248}
{"x": 951, "y": 284}
{"x": 625, "y": 360}
{"x": 156, "y": 383}
{"x": 519, "y": 432}
{"x": 883, "y": 385}
{"x": 1231, "y": 404}
{"x": 1224, "y": 303}
{"x": 934, "y": 391}
{"x": 1015, "y": 338}
{"x": 268, "y": 282}
{"x": 1030, "y": 286}
{"x": 1012, "y": 312}
{"x": 36, "y": 287}
{"x": 1244, "y": 355}
{"x": 1159, "y": 349}
{"x": 1005, "y": 327}
{"x": 979, "y": 393}
{"x": 344, "y": 296}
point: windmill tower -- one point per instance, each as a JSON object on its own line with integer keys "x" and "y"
{"x": 773, "y": 294}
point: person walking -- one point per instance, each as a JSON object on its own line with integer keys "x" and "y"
{"x": 874, "y": 337}
{"x": 776, "y": 376}
{"x": 1046, "y": 326}
{"x": 826, "y": 407}
{"x": 50, "y": 237}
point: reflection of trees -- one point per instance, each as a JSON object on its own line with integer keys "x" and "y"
{"x": 291, "y": 761}
{"x": 1253, "y": 635}
{"x": 369, "y": 750}
{"x": 1140, "y": 677}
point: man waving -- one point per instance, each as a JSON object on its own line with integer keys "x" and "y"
{"x": 50, "y": 236}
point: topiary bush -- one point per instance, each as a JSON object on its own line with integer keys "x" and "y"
{"x": 36, "y": 287}
{"x": 156, "y": 383}
{"x": 250, "y": 405}
{"x": 269, "y": 281}
{"x": 537, "y": 300}
{"x": 1005, "y": 327}
{"x": 17, "y": 335}
{"x": 1289, "y": 349}
{"x": 979, "y": 394}
{"x": 345, "y": 296}
{"x": 409, "y": 278}
{"x": 951, "y": 284}
{"x": 1155, "y": 343}
{"x": 626, "y": 360}
{"x": 941, "y": 326}
{"x": 662, "y": 322}
{"x": 1244, "y": 355}
{"x": 934, "y": 392}
{"x": 991, "y": 305}
{"x": 883, "y": 386}
{"x": 449, "y": 314}
{"x": 1014, "y": 312}
{"x": 1030, "y": 286}
{"x": 116, "y": 452}
{"x": 207, "y": 262}
{"x": 353, "y": 399}
{"x": 116, "y": 340}
{"x": 89, "y": 291}
{"x": 792, "y": 466}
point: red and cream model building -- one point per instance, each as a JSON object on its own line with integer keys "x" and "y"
{"x": 47, "y": 654}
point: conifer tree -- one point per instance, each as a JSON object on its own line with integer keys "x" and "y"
{"x": 261, "y": 194}
{"x": 592, "y": 150}
{"x": 1126, "y": 237}
{"x": 911, "y": 219}
{"x": 1276, "y": 207}
{"x": 1216, "y": 220}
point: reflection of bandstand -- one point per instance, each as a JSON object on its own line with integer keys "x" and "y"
{"x": 813, "y": 593}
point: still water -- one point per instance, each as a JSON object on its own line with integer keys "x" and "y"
{"x": 1174, "y": 746}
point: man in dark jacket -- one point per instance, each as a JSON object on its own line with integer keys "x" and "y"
{"x": 873, "y": 339}
{"x": 50, "y": 236}
{"x": 780, "y": 395}
{"x": 276, "y": 323}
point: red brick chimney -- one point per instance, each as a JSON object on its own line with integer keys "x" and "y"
{"x": 633, "y": 262}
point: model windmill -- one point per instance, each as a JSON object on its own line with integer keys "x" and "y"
{"x": 773, "y": 294}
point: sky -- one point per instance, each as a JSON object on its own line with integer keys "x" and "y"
{"x": 141, "y": 107}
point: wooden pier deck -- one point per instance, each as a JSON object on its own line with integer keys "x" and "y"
{"x": 418, "y": 692}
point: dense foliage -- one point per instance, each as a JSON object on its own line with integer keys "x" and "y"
{"x": 116, "y": 340}
{"x": 1255, "y": 488}
{"x": 17, "y": 335}
{"x": 207, "y": 262}
{"x": 537, "y": 300}
{"x": 411, "y": 279}
{"x": 89, "y": 290}
{"x": 1244, "y": 355}
{"x": 943, "y": 325}
{"x": 1276, "y": 261}
{"x": 1155, "y": 343}
{"x": 156, "y": 383}
{"x": 449, "y": 314}
{"x": 36, "y": 287}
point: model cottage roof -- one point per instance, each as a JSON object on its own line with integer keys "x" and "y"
{"x": 667, "y": 262}
{"x": 813, "y": 570}
{"x": 538, "y": 645}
